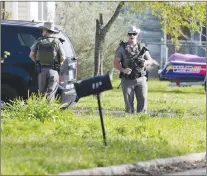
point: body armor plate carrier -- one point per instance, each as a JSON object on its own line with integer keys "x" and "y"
{"x": 136, "y": 62}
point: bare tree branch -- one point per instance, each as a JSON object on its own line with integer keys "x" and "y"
{"x": 185, "y": 36}
{"x": 97, "y": 49}
{"x": 188, "y": 38}
{"x": 113, "y": 18}
{"x": 201, "y": 34}
{"x": 101, "y": 18}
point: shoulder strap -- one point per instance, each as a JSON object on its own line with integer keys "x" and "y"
{"x": 123, "y": 44}
{"x": 42, "y": 38}
{"x": 48, "y": 37}
{"x": 140, "y": 45}
{"x": 39, "y": 39}
{"x": 56, "y": 40}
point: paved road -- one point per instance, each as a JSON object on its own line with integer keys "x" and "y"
{"x": 190, "y": 172}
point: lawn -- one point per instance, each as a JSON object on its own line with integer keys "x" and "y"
{"x": 38, "y": 138}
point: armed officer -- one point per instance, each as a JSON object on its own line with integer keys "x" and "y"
{"x": 49, "y": 53}
{"x": 133, "y": 81}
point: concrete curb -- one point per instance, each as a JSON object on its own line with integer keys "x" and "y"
{"x": 124, "y": 168}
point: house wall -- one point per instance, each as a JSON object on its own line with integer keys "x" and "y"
{"x": 50, "y": 6}
{"x": 38, "y": 11}
{"x": 32, "y": 11}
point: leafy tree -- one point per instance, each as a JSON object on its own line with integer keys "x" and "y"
{"x": 5, "y": 15}
{"x": 176, "y": 16}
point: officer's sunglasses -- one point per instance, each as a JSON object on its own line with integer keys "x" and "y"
{"x": 132, "y": 34}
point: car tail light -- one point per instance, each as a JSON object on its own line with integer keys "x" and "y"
{"x": 177, "y": 83}
{"x": 76, "y": 58}
{"x": 59, "y": 78}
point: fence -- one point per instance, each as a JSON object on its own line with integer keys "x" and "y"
{"x": 161, "y": 50}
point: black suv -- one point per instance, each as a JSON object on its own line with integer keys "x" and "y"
{"x": 18, "y": 71}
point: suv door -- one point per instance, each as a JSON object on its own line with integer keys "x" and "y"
{"x": 18, "y": 40}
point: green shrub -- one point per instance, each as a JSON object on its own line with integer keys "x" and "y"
{"x": 35, "y": 107}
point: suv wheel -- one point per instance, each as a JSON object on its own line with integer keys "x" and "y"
{"x": 8, "y": 93}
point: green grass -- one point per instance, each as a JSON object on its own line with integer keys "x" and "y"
{"x": 38, "y": 138}
{"x": 161, "y": 98}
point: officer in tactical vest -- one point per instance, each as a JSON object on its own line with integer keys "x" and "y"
{"x": 133, "y": 76}
{"x": 49, "y": 53}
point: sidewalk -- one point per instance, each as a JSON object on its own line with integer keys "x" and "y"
{"x": 150, "y": 167}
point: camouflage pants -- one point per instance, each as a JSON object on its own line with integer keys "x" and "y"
{"x": 139, "y": 88}
{"x": 48, "y": 83}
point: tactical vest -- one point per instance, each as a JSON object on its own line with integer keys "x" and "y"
{"x": 126, "y": 61}
{"x": 47, "y": 50}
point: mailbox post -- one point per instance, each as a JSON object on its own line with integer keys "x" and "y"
{"x": 94, "y": 86}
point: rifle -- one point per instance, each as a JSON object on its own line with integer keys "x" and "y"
{"x": 136, "y": 62}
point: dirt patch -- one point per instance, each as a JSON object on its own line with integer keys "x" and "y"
{"x": 164, "y": 169}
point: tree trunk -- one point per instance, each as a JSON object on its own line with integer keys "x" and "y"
{"x": 97, "y": 49}
{"x": 101, "y": 31}
{"x": 101, "y": 57}
{"x": 102, "y": 37}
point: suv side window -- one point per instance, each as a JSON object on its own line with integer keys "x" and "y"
{"x": 26, "y": 39}
{"x": 18, "y": 40}
{"x": 10, "y": 41}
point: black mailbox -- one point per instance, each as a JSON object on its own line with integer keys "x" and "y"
{"x": 93, "y": 86}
